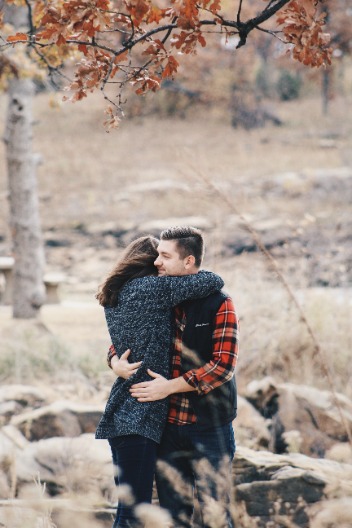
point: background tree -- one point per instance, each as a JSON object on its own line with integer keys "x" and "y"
{"x": 28, "y": 291}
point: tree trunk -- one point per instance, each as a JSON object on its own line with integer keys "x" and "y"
{"x": 28, "y": 286}
{"x": 325, "y": 90}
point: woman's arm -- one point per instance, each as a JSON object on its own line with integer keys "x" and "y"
{"x": 194, "y": 286}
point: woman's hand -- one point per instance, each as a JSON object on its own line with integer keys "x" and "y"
{"x": 122, "y": 368}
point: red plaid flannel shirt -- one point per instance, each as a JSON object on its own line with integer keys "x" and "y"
{"x": 217, "y": 371}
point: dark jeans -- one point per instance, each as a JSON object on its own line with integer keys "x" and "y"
{"x": 134, "y": 457}
{"x": 192, "y": 459}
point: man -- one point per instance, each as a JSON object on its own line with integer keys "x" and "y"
{"x": 198, "y": 444}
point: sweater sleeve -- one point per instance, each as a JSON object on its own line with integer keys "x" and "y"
{"x": 192, "y": 286}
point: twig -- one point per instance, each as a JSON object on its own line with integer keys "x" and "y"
{"x": 317, "y": 350}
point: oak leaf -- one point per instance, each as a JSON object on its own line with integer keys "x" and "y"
{"x": 171, "y": 67}
{"x": 19, "y": 37}
{"x": 138, "y": 10}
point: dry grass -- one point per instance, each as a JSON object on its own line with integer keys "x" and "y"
{"x": 86, "y": 173}
{"x": 67, "y": 346}
{"x": 274, "y": 340}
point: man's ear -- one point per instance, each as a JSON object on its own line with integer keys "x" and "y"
{"x": 189, "y": 261}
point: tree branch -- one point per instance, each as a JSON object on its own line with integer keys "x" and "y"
{"x": 30, "y": 18}
{"x": 246, "y": 27}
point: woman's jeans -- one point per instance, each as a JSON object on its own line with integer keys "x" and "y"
{"x": 191, "y": 458}
{"x": 135, "y": 458}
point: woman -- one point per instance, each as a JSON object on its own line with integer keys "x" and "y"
{"x": 138, "y": 310}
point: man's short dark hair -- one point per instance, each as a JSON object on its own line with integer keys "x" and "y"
{"x": 189, "y": 241}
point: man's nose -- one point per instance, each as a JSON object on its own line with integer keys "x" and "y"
{"x": 157, "y": 261}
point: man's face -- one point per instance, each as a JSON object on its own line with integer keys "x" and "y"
{"x": 170, "y": 262}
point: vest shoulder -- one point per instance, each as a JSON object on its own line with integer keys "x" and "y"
{"x": 212, "y": 301}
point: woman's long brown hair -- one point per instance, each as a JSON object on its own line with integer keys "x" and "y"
{"x": 137, "y": 261}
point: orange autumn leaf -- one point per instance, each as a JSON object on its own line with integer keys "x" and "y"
{"x": 303, "y": 28}
{"x": 121, "y": 57}
{"x": 138, "y": 10}
{"x": 171, "y": 67}
{"x": 155, "y": 14}
{"x": 19, "y": 37}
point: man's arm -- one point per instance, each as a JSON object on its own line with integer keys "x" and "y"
{"x": 159, "y": 388}
{"x": 206, "y": 378}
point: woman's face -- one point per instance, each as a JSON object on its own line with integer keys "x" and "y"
{"x": 170, "y": 262}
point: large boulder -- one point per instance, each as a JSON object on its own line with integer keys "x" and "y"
{"x": 308, "y": 416}
{"x": 64, "y": 465}
{"x": 16, "y": 398}
{"x": 61, "y": 418}
{"x": 335, "y": 513}
{"x": 251, "y": 428}
{"x": 273, "y": 487}
{"x": 12, "y": 442}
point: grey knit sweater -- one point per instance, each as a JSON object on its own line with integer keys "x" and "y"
{"x": 143, "y": 322}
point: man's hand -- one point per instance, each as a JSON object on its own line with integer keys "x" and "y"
{"x": 122, "y": 368}
{"x": 157, "y": 389}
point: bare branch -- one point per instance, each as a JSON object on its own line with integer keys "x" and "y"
{"x": 267, "y": 13}
{"x": 30, "y": 18}
{"x": 272, "y": 33}
{"x": 239, "y": 13}
{"x": 246, "y": 27}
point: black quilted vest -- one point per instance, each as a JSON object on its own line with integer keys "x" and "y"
{"x": 219, "y": 406}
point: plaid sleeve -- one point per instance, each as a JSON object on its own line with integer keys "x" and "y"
{"x": 225, "y": 352}
{"x": 111, "y": 354}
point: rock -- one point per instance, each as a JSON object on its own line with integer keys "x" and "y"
{"x": 310, "y": 411}
{"x": 250, "y": 427}
{"x": 158, "y": 186}
{"x": 327, "y": 143}
{"x": 332, "y": 514}
{"x": 61, "y": 418}
{"x": 7, "y": 409}
{"x": 24, "y": 395}
{"x": 272, "y": 235}
{"x": 11, "y": 443}
{"x": 15, "y": 398}
{"x": 341, "y": 452}
{"x": 11, "y": 437}
{"x": 5, "y": 489}
{"x": 272, "y": 485}
{"x": 156, "y": 226}
{"x": 79, "y": 465}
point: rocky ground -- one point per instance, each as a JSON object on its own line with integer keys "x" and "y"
{"x": 51, "y": 463}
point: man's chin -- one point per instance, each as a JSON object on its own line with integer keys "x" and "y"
{"x": 161, "y": 273}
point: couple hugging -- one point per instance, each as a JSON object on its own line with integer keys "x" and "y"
{"x": 174, "y": 349}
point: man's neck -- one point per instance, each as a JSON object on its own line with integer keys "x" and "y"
{"x": 191, "y": 271}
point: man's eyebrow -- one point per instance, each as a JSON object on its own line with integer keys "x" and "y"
{"x": 164, "y": 253}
